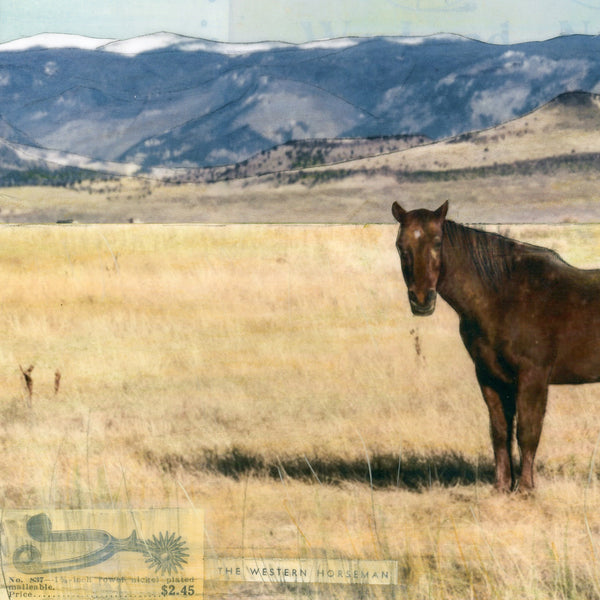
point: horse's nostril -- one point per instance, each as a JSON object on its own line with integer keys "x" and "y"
{"x": 428, "y": 299}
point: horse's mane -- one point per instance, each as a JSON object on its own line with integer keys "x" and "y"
{"x": 491, "y": 254}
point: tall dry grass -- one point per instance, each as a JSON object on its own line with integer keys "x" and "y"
{"x": 273, "y": 376}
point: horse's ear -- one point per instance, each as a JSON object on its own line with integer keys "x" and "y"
{"x": 398, "y": 212}
{"x": 442, "y": 211}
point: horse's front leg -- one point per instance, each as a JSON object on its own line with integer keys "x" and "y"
{"x": 532, "y": 397}
{"x": 500, "y": 400}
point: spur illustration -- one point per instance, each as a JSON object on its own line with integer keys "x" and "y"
{"x": 165, "y": 554}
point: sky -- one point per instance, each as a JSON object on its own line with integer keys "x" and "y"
{"x": 297, "y": 21}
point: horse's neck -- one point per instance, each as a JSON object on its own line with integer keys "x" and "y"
{"x": 460, "y": 285}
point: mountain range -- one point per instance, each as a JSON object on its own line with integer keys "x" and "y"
{"x": 171, "y": 102}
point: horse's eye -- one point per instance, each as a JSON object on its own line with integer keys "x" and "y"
{"x": 437, "y": 245}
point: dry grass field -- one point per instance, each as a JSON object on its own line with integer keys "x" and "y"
{"x": 555, "y": 197}
{"x": 273, "y": 376}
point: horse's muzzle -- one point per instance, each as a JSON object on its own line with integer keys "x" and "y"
{"x": 422, "y": 309}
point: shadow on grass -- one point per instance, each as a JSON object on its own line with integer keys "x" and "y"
{"x": 409, "y": 471}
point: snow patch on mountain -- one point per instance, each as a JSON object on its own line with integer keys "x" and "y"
{"x": 66, "y": 159}
{"x": 165, "y": 41}
{"x": 47, "y": 41}
{"x": 162, "y": 41}
{"x": 419, "y": 40}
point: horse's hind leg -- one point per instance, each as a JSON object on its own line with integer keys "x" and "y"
{"x": 532, "y": 396}
{"x": 500, "y": 400}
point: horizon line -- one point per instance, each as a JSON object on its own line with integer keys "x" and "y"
{"x": 105, "y": 41}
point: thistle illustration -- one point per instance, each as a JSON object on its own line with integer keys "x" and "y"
{"x": 166, "y": 554}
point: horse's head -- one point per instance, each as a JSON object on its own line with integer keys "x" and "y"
{"x": 419, "y": 244}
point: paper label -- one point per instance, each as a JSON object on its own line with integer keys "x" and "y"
{"x": 102, "y": 554}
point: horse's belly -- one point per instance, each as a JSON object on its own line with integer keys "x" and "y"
{"x": 577, "y": 363}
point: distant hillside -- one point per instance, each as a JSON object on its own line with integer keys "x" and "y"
{"x": 543, "y": 167}
{"x": 22, "y": 165}
{"x": 565, "y": 133}
{"x": 299, "y": 154}
{"x": 171, "y": 102}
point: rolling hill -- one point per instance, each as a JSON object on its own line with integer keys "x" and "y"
{"x": 566, "y": 129}
{"x": 296, "y": 155}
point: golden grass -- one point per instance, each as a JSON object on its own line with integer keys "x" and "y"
{"x": 219, "y": 365}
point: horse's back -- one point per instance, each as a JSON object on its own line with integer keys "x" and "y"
{"x": 540, "y": 270}
{"x": 548, "y": 314}
{"x": 560, "y": 315}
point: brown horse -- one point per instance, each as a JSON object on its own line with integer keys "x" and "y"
{"x": 527, "y": 319}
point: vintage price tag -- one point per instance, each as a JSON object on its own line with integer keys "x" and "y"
{"x": 102, "y": 554}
